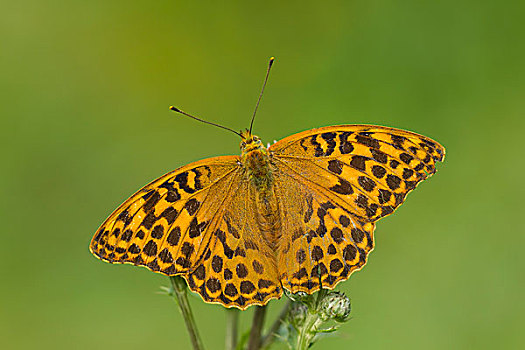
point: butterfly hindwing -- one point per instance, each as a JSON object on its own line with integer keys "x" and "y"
{"x": 239, "y": 266}
{"x": 323, "y": 242}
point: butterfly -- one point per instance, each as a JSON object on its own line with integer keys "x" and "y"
{"x": 297, "y": 215}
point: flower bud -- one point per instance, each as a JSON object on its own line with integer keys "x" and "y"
{"x": 297, "y": 314}
{"x": 335, "y": 306}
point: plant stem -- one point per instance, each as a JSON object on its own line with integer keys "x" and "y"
{"x": 269, "y": 337}
{"x": 254, "y": 343}
{"x": 180, "y": 293}
{"x": 232, "y": 322}
{"x": 308, "y": 330}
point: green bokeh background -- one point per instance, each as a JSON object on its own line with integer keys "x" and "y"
{"x": 85, "y": 89}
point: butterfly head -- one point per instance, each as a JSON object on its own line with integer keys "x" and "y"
{"x": 250, "y": 142}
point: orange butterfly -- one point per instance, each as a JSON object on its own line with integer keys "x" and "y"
{"x": 298, "y": 215}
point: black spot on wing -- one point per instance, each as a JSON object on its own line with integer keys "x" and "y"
{"x": 321, "y": 213}
{"x": 406, "y": 158}
{"x": 182, "y": 180}
{"x": 394, "y": 164}
{"x": 165, "y": 256}
{"x": 169, "y": 214}
{"x": 379, "y": 156}
{"x": 172, "y": 195}
{"x": 149, "y": 220}
{"x": 300, "y": 256}
{"x": 418, "y": 167}
{"x": 343, "y": 187}
{"x": 197, "y": 179}
{"x": 345, "y": 147}
{"x": 309, "y": 208}
{"x": 317, "y": 253}
{"x": 125, "y": 217}
{"x": 359, "y": 162}
{"x": 407, "y": 173}
{"x": 126, "y": 235}
{"x": 378, "y": 171}
{"x": 344, "y": 220}
{"x": 231, "y": 229}
{"x": 247, "y": 287}
{"x": 148, "y": 194}
{"x": 221, "y": 236}
{"x": 191, "y": 206}
{"x": 153, "y": 199}
{"x": 335, "y": 166}
{"x": 302, "y": 144}
{"x": 318, "y": 151}
{"x": 398, "y": 141}
{"x": 337, "y": 235}
{"x": 196, "y": 228}
{"x": 393, "y": 181}
{"x": 217, "y": 263}
{"x": 150, "y": 248}
{"x": 361, "y": 201}
{"x": 174, "y": 236}
{"x": 363, "y": 139}
{"x": 157, "y": 232}
{"x": 384, "y": 196}
{"x": 187, "y": 249}
{"x": 329, "y": 137}
{"x": 366, "y": 183}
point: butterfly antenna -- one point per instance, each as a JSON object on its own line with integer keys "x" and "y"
{"x": 173, "y": 108}
{"x": 262, "y": 90}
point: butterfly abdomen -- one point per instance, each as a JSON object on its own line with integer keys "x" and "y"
{"x": 267, "y": 217}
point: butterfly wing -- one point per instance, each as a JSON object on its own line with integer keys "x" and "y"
{"x": 197, "y": 221}
{"x": 166, "y": 224}
{"x": 339, "y": 181}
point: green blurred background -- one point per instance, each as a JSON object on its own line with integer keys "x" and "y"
{"x": 85, "y": 89}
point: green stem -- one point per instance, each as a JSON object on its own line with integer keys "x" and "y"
{"x": 254, "y": 343}
{"x": 307, "y": 331}
{"x": 269, "y": 337}
{"x": 180, "y": 292}
{"x": 232, "y": 322}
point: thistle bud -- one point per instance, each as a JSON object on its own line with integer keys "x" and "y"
{"x": 335, "y": 306}
{"x": 297, "y": 314}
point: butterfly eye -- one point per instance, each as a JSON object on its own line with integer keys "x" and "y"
{"x": 255, "y": 138}
{"x": 243, "y": 144}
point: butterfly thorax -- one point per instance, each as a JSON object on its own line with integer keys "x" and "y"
{"x": 256, "y": 161}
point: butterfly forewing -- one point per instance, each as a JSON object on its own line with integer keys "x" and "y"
{"x": 164, "y": 225}
{"x": 371, "y": 168}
